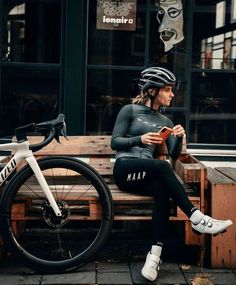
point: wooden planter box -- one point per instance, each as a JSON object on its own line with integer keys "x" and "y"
{"x": 192, "y": 171}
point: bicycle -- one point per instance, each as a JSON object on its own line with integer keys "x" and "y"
{"x": 55, "y": 236}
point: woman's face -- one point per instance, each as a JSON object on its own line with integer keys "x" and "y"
{"x": 164, "y": 96}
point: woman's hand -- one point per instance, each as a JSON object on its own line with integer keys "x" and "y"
{"x": 151, "y": 138}
{"x": 178, "y": 131}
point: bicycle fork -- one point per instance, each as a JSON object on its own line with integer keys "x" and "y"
{"x": 42, "y": 182}
{"x": 22, "y": 152}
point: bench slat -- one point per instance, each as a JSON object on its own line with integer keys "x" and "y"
{"x": 85, "y": 145}
{"x": 76, "y": 145}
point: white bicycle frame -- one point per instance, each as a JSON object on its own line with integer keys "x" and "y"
{"x": 22, "y": 152}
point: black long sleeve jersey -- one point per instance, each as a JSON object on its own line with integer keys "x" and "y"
{"x": 132, "y": 122}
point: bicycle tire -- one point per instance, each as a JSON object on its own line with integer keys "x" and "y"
{"x": 47, "y": 243}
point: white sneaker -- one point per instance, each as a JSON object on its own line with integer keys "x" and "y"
{"x": 151, "y": 266}
{"x": 208, "y": 225}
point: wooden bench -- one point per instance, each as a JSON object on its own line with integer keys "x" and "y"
{"x": 222, "y": 201}
{"x": 96, "y": 151}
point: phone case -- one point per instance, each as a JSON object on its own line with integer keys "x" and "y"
{"x": 165, "y": 132}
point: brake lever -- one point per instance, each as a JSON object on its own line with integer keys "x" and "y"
{"x": 63, "y": 131}
{"x": 57, "y": 137}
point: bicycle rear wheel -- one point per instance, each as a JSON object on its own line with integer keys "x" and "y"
{"x": 34, "y": 233}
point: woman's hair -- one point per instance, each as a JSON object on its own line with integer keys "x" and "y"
{"x": 141, "y": 98}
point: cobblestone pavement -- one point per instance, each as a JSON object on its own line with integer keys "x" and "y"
{"x": 120, "y": 262}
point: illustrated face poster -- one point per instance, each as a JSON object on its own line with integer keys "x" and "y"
{"x": 170, "y": 18}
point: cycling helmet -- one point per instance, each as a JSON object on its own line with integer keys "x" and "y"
{"x": 156, "y": 77}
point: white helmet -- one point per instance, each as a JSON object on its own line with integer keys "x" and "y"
{"x": 156, "y": 77}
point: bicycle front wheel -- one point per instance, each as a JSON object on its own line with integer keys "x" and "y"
{"x": 36, "y": 235}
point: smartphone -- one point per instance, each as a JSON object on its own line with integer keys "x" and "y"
{"x": 165, "y": 132}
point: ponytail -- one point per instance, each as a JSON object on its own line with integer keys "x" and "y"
{"x": 140, "y": 99}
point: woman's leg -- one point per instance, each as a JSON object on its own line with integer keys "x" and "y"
{"x": 200, "y": 222}
{"x": 172, "y": 186}
{"x": 160, "y": 213}
{"x": 130, "y": 173}
{"x": 142, "y": 172}
{"x": 130, "y": 176}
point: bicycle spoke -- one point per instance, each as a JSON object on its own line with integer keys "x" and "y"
{"x": 78, "y": 196}
{"x": 25, "y": 184}
{"x": 64, "y": 185}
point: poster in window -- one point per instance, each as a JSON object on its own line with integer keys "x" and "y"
{"x": 116, "y": 15}
{"x": 170, "y": 19}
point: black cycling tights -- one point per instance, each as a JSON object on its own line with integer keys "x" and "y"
{"x": 156, "y": 178}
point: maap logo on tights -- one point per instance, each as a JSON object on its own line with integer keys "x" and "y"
{"x": 136, "y": 176}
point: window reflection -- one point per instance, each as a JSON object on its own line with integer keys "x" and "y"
{"x": 219, "y": 52}
{"x": 233, "y": 11}
{"x": 27, "y": 96}
{"x": 220, "y": 14}
{"x": 177, "y": 117}
{"x": 213, "y": 103}
{"x": 108, "y": 91}
{"x": 28, "y": 30}
{"x": 213, "y": 111}
{"x": 214, "y": 44}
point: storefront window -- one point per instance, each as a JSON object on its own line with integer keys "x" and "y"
{"x": 28, "y": 95}
{"x": 213, "y": 108}
{"x": 31, "y": 31}
{"x": 108, "y": 92}
{"x": 116, "y": 55}
{"x": 30, "y": 62}
{"x": 214, "y": 44}
{"x": 213, "y": 104}
{"x": 201, "y": 51}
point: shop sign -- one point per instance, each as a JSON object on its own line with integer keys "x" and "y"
{"x": 116, "y": 15}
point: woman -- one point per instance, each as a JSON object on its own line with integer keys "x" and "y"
{"x": 135, "y": 137}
